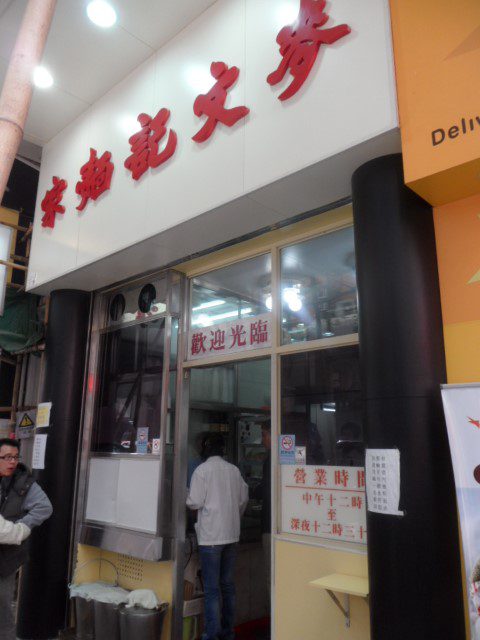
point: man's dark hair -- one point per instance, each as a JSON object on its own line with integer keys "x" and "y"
{"x": 213, "y": 445}
{"x": 9, "y": 442}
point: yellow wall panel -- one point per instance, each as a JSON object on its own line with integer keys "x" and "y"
{"x": 462, "y": 347}
{"x": 133, "y": 574}
{"x": 306, "y": 613}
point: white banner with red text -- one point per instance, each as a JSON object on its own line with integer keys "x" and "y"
{"x": 462, "y": 413}
{"x": 242, "y": 334}
{"x": 324, "y": 502}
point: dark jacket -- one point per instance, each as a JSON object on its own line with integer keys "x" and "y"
{"x": 13, "y": 492}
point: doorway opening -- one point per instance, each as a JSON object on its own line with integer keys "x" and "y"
{"x": 234, "y": 399}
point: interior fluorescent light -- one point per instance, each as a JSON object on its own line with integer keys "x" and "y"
{"x": 203, "y": 320}
{"x": 208, "y": 305}
{"x": 101, "y": 13}
{"x": 42, "y": 78}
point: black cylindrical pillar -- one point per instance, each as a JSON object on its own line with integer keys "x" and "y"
{"x": 414, "y": 560}
{"x": 43, "y": 591}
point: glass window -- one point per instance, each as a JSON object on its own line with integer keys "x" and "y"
{"x": 128, "y": 413}
{"x": 319, "y": 289}
{"x": 240, "y": 290}
{"x": 321, "y": 405}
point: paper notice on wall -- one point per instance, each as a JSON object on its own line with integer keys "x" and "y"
{"x": 43, "y": 414}
{"x": 382, "y": 467}
{"x": 39, "y": 448}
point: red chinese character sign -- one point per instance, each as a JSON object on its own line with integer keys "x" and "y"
{"x": 324, "y": 502}
{"x": 212, "y": 104}
{"x": 51, "y": 202}
{"x": 300, "y": 43}
{"x": 96, "y": 178}
{"x": 243, "y": 334}
{"x": 144, "y": 144}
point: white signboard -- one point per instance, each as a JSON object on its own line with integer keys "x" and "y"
{"x": 242, "y": 334}
{"x": 39, "y": 448}
{"x": 382, "y": 468}
{"x": 5, "y": 244}
{"x": 324, "y": 502}
{"x": 462, "y": 413}
{"x": 25, "y": 424}
{"x": 43, "y": 414}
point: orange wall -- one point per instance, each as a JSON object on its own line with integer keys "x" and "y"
{"x": 457, "y": 228}
{"x": 437, "y": 62}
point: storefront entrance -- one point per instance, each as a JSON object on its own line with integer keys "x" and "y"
{"x": 234, "y": 399}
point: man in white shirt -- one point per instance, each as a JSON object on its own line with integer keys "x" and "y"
{"x": 220, "y": 495}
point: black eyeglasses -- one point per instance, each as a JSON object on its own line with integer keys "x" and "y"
{"x": 9, "y": 458}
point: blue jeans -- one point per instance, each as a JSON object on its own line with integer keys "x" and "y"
{"x": 218, "y": 567}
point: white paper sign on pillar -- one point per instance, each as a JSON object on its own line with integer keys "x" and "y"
{"x": 39, "y": 448}
{"x": 382, "y": 467}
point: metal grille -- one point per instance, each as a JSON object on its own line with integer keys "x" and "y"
{"x": 131, "y": 568}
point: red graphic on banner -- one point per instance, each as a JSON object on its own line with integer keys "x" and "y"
{"x": 51, "y": 202}
{"x": 476, "y": 423}
{"x": 301, "y": 42}
{"x": 144, "y": 144}
{"x": 212, "y": 103}
{"x": 96, "y": 177}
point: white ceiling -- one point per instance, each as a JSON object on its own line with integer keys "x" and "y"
{"x": 87, "y": 61}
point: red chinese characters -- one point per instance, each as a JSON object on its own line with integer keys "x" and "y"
{"x": 238, "y": 336}
{"x": 212, "y": 104}
{"x": 198, "y": 343}
{"x": 96, "y": 177}
{"x": 300, "y": 43}
{"x": 299, "y": 475}
{"x": 217, "y": 340}
{"x": 259, "y": 332}
{"x": 51, "y": 202}
{"x": 144, "y": 144}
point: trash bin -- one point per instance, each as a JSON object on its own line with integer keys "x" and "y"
{"x": 84, "y": 618}
{"x": 106, "y": 620}
{"x": 137, "y": 623}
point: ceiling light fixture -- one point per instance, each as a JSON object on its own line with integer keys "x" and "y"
{"x": 101, "y": 13}
{"x": 42, "y": 78}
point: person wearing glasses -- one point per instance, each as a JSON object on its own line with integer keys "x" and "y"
{"x": 22, "y": 501}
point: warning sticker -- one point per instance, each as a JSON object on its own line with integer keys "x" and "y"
{"x": 25, "y": 424}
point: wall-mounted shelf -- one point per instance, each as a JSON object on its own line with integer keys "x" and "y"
{"x": 342, "y": 583}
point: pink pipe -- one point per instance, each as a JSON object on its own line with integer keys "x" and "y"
{"x": 18, "y": 85}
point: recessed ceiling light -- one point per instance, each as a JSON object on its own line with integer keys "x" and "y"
{"x": 42, "y": 78}
{"x": 101, "y": 13}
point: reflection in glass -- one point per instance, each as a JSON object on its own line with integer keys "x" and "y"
{"x": 319, "y": 289}
{"x": 240, "y": 290}
{"x": 128, "y": 413}
{"x": 321, "y": 405}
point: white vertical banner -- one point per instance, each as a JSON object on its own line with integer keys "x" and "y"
{"x": 462, "y": 412}
{"x": 5, "y": 243}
